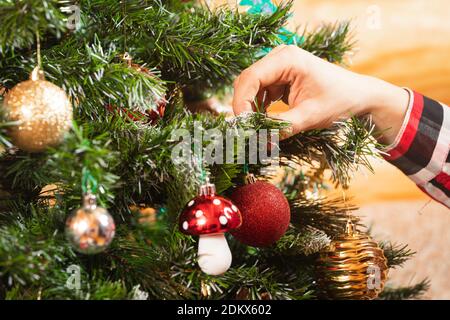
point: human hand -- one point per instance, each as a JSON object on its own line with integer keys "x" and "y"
{"x": 318, "y": 92}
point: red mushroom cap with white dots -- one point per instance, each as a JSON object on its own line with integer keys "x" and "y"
{"x": 209, "y": 214}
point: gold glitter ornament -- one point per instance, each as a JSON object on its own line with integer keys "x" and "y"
{"x": 49, "y": 194}
{"x": 147, "y": 215}
{"x": 90, "y": 229}
{"x": 354, "y": 267}
{"x": 41, "y": 110}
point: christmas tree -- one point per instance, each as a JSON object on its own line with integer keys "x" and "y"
{"x": 126, "y": 72}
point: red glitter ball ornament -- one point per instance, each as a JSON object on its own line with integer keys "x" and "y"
{"x": 265, "y": 213}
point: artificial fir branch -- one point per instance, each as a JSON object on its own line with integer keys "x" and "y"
{"x": 28, "y": 255}
{"x": 328, "y": 215}
{"x": 330, "y": 41}
{"x": 396, "y": 254}
{"x": 343, "y": 147}
{"x": 94, "y": 77}
{"x": 22, "y": 19}
{"x": 306, "y": 241}
{"x": 4, "y": 140}
{"x": 210, "y": 64}
{"x": 415, "y": 291}
{"x": 204, "y": 59}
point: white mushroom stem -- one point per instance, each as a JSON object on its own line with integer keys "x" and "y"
{"x": 214, "y": 255}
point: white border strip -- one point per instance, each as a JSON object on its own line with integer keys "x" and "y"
{"x": 404, "y": 124}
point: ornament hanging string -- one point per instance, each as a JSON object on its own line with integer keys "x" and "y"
{"x": 344, "y": 199}
{"x": 349, "y": 226}
{"x": 197, "y": 163}
{"x": 128, "y": 59}
{"x": 204, "y": 178}
{"x": 208, "y": 5}
{"x": 249, "y": 178}
{"x": 38, "y": 73}
{"x": 38, "y": 50}
{"x": 246, "y": 169}
{"x": 88, "y": 182}
{"x": 124, "y": 13}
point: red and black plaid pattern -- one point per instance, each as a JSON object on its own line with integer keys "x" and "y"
{"x": 421, "y": 150}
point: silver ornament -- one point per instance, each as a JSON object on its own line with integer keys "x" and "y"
{"x": 90, "y": 229}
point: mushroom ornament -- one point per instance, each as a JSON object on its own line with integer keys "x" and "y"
{"x": 210, "y": 216}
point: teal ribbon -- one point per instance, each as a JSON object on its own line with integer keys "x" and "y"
{"x": 259, "y": 6}
{"x": 246, "y": 168}
{"x": 88, "y": 182}
{"x": 266, "y": 7}
{"x": 162, "y": 211}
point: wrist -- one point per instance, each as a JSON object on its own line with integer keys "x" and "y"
{"x": 387, "y": 104}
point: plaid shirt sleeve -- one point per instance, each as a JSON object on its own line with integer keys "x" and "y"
{"x": 421, "y": 149}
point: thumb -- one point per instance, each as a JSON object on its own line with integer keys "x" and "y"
{"x": 298, "y": 122}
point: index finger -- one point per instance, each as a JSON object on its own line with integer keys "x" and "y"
{"x": 265, "y": 72}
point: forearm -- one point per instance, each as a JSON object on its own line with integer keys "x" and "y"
{"x": 387, "y": 104}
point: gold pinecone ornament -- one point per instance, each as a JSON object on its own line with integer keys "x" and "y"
{"x": 354, "y": 267}
{"x": 41, "y": 111}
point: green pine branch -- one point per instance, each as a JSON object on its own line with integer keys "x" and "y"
{"x": 304, "y": 241}
{"x": 328, "y": 215}
{"x": 342, "y": 148}
{"x": 330, "y": 41}
{"x": 396, "y": 254}
{"x": 22, "y": 20}
{"x": 415, "y": 291}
